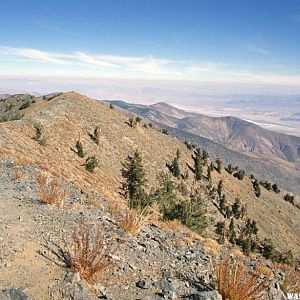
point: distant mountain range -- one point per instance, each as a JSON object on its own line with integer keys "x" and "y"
{"x": 233, "y": 132}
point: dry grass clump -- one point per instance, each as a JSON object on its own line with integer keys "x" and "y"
{"x": 91, "y": 253}
{"x": 53, "y": 191}
{"x": 133, "y": 221}
{"x": 130, "y": 220}
{"x": 291, "y": 283}
{"x": 264, "y": 271}
{"x": 17, "y": 174}
{"x": 236, "y": 282}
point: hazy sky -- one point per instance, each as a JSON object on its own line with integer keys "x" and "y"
{"x": 216, "y": 40}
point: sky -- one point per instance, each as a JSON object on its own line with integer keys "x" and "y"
{"x": 255, "y": 41}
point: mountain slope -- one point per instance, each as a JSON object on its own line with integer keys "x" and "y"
{"x": 70, "y": 116}
{"x": 234, "y": 132}
{"x": 270, "y": 168}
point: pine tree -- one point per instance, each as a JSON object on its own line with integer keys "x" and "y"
{"x": 198, "y": 164}
{"x": 174, "y": 167}
{"x": 219, "y": 165}
{"x": 95, "y": 136}
{"x": 256, "y": 187}
{"x": 275, "y": 188}
{"x": 221, "y": 231}
{"x": 134, "y": 181}
{"x": 79, "y": 148}
{"x": 209, "y": 174}
{"x": 236, "y": 208}
{"x": 220, "y": 188}
{"x": 205, "y": 157}
{"x": 232, "y": 234}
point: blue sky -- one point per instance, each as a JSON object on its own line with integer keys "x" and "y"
{"x": 215, "y": 40}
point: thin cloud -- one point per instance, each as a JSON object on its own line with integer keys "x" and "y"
{"x": 138, "y": 66}
{"x": 256, "y": 49}
{"x": 34, "y": 54}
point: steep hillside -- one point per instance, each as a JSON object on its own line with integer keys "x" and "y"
{"x": 236, "y": 133}
{"x": 42, "y": 140}
{"x": 280, "y": 171}
{"x": 69, "y": 117}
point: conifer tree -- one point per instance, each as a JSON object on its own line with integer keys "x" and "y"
{"x": 174, "y": 167}
{"x": 79, "y": 148}
{"x": 219, "y": 165}
{"x": 198, "y": 164}
{"x": 205, "y": 157}
{"x": 220, "y": 188}
{"x": 209, "y": 174}
{"x": 134, "y": 181}
{"x": 232, "y": 234}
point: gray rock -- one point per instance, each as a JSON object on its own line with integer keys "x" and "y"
{"x": 13, "y": 294}
{"x": 72, "y": 288}
{"x": 143, "y": 284}
{"x": 210, "y": 295}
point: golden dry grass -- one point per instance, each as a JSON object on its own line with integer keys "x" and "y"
{"x": 261, "y": 269}
{"x": 53, "y": 192}
{"x": 133, "y": 221}
{"x": 90, "y": 253}
{"x": 236, "y": 282}
{"x": 291, "y": 282}
{"x": 18, "y": 174}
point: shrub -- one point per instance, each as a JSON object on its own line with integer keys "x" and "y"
{"x": 230, "y": 169}
{"x": 91, "y": 163}
{"x": 174, "y": 167}
{"x": 165, "y": 131}
{"x": 189, "y": 145}
{"x": 134, "y": 121}
{"x": 91, "y": 253}
{"x": 289, "y": 198}
{"x": 267, "y": 185}
{"x": 10, "y": 117}
{"x": 25, "y": 105}
{"x": 198, "y": 164}
{"x": 95, "y": 136}
{"x": 219, "y": 165}
{"x": 236, "y": 282}
{"x": 79, "y": 148}
{"x": 256, "y": 188}
{"x": 38, "y": 134}
{"x": 239, "y": 174}
{"x": 275, "y": 188}
{"x": 53, "y": 192}
{"x": 134, "y": 221}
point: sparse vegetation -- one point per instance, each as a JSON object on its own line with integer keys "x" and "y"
{"x": 289, "y": 198}
{"x": 174, "y": 166}
{"x": 91, "y": 163}
{"x": 134, "y": 121}
{"x": 91, "y": 252}
{"x": 26, "y": 104}
{"x": 10, "y": 117}
{"x": 79, "y": 148}
{"x": 219, "y": 165}
{"x": 38, "y": 134}
{"x": 198, "y": 164}
{"x": 95, "y": 136}
{"x": 236, "y": 282}
{"x": 256, "y": 187}
{"x": 165, "y": 131}
{"x": 53, "y": 191}
{"x": 133, "y": 186}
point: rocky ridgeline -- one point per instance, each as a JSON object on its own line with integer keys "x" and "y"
{"x": 152, "y": 266}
